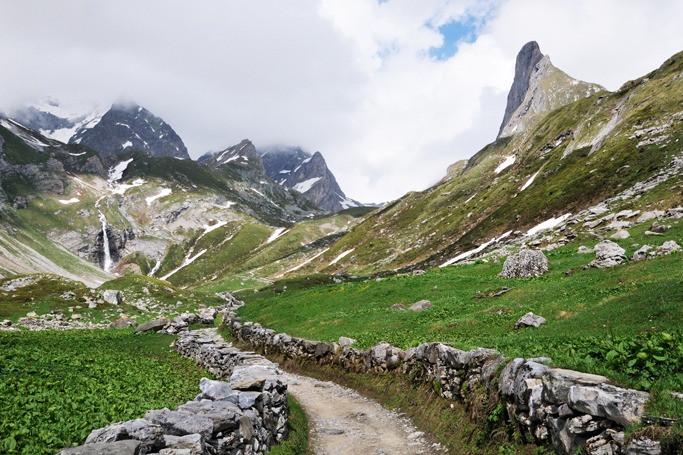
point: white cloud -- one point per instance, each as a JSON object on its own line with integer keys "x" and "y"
{"x": 351, "y": 78}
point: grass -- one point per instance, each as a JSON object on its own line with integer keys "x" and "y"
{"x": 629, "y": 309}
{"x": 297, "y": 438}
{"x": 144, "y": 298}
{"x": 55, "y": 387}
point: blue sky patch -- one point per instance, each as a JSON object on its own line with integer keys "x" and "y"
{"x": 453, "y": 33}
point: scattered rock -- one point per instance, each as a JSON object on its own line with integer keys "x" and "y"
{"x": 584, "y": 249}
{"x": 530, "y": 320}
{"x": 659, "y": 228}
{"x": 668, "y": 247}
{"x": 398, "y": 306}
{"x": 525, "y": 264}
{"x": 122, "y": 323}
{"x": 68, "y": 295}
{"x": 641, "y": 253}
{"x": 154, "y": 325}
{"x": 608, "y": 254}
{"x": 620, "y": 234}
{"x": 421, "y": 305}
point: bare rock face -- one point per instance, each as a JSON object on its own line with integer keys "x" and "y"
{"x": 525, "y": 264}
{"x": 528, "y": 57}
{"x": 539, "y": 87}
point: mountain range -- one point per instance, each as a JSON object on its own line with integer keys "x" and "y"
{"x": 569, "y": 160}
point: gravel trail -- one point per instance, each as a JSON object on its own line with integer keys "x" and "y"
{"x": 346, "y": 423}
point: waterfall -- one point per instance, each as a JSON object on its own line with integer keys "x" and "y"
{"x": 105, "y": 243}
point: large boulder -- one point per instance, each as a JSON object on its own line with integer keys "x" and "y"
{"x": 525, "y": 264}
{"x": 608, "y": 254}
{"x": 112, "y": 296}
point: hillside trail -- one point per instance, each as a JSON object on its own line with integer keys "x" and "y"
{"x": 346, "y": 423}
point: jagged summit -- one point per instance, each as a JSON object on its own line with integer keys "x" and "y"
{"x": 539, "y": 87}
{"x": 132, "y": 127}
{"x": 308, "y": 174}
{"x": 528, "y": 57}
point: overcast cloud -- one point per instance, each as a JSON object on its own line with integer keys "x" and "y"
{"x": 358, "y": 80}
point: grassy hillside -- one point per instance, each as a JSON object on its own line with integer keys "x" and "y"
{"x": 628, "y": 309}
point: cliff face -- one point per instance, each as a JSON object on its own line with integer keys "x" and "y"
{"x": 528, "y": 57}
{"x": 539, "y": 87}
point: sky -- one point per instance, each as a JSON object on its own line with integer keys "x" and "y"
{"x": 391, "y": 92}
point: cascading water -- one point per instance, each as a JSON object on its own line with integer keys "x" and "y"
{"x": 105, "y": 243}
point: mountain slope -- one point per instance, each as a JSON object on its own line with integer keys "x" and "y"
{"x": 538, "y": 87}
{"x": 619, "y": 150}
{"x": 293, "y": 168}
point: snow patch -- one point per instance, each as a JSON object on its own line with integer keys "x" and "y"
{"x": 156, "y": 268}
{"x": 121, "y": 188}
{"x": 341, "y": 256}
{"x": 481, "y": 247}
{"x": 126, "y": 144}
{"x": 307, "y": 261}
{"x": 76, "y": 154}
{"x": 116, "y": 172}
{"x": 213, "y": 227}
{"x": 164, "y": 192}
{"x": 186, "y": 262}
{"x": 548, "y": 224}
{"x": 509, "y": 161}
{"x": 529, "y": 182}
{"x": 306, "y": 184}
{"x": 279, "y": 232}
{"x": 470, "y": 198}
{"x": 347, "y": 203}
{"x": 73, "y": 200}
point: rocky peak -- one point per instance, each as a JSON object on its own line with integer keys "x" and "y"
{"x": 308, "y": 174}
{"x": 243, "y": 153}
{"x": 538, "y": 87}
{"x": 131, "y": 127}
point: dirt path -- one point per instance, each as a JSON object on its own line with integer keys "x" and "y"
{"x": 346, "y": 423}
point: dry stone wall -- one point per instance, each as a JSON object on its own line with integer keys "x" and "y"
{"x": 244, "y": 416}
{"x": 565, "y": 409}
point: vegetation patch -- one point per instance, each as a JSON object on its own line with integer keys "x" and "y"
{"x": 55, "y": 387}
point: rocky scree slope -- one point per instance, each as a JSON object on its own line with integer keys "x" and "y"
{"x": 620, "y": 147}
{"x": 308, "y": 174}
